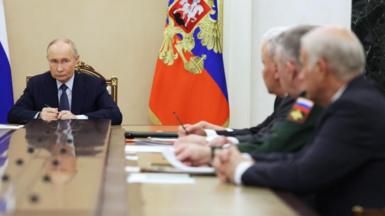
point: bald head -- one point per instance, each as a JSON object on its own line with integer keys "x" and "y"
{"x": 339, "y": 47}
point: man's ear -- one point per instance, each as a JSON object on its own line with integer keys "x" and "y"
{"x": 275, "y": 72}
{"x": 292, "y": 70}
{"x": 321, "y": 67}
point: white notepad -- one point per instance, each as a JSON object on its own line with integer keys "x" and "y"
{"x": 160, "y": 178}
{"x": 10, "y": 127}
{"x": 169, "y": 155}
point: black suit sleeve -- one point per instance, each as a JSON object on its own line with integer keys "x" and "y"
{"x": 332, "y": 155}
{"x": 264, "y": 130}
{"x": 247, "y": 133}
{"x": 24, "y": 108}
{"x": 106, "y": 107}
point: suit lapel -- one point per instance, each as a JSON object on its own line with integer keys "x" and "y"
{"x": 52, "y": 93}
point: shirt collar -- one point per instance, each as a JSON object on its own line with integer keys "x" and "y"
{"x": 69, "y": 83}
{"x": 338, "y": 94}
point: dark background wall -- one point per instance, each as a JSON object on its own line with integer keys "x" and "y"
{"x": 368, "y": 22}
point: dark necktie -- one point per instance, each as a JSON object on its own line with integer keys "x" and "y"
{"x": 63, "y": 103}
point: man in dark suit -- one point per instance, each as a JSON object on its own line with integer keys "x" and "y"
{"x": 345, "y": 162}
{"x": 282, "y": 103}
{"x": 63, "y": 93}
{"x": 287, "y": 133}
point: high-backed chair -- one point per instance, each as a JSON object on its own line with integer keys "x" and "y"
{"x": 360, "y": 211}
{"x": 112, "y": 84}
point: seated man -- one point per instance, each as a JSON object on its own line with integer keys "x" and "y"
{"x": 290, "y": 133}
{"x": 63, "y": 93}
{"x": 282, "y": 103}
{"x": 345, "y": 162}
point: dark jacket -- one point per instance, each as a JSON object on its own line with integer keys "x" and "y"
{"x": 263, "y": 131}
{"x": 344, "y": 165}
{"x": 89, "y": 97}
{"x": 288, "y": 136}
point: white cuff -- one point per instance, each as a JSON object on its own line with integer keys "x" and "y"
{"x": 247, "y": 156}
{"x": 210, "y": 134}
{"x": 240, "y": 169}
{"x": 233, "y": 140}
{"x": 36, "y": 115}
{"x": 81, "y": 117}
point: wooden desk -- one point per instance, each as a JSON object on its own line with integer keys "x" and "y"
{"x": 206, "y": 197}
{"x": 118, "y": 198}
{"x": 54, "y": 168}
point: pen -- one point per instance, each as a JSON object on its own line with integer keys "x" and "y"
{"x": 180, "y": 122}
{"x": 48, "y": 106}
{"x": 38, "y": 114}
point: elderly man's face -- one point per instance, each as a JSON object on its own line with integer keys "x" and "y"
{"x": 269, "y": 71}
{"x": 62, "y": 61}
{"x": 283, "y": 72}
{"x": 310, "y": 76}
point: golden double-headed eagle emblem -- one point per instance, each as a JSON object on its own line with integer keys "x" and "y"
{"x": 184, "y": 18}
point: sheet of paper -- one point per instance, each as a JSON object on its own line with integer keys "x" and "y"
{"x": 132, "y": 169}
{"x": 172, "y": 140}
{"x": 132, "y": 149}
{"x": 132, "y": 157}
{"x": 10, "y": 127}
{"x": 169, "y": 155}
{"x": 160, "y": 178}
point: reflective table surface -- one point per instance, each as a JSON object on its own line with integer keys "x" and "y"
{"x": 53, "y": 168}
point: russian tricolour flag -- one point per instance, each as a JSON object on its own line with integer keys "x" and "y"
{"x": 6, "y": 95}
{"x": 189, "y": 77}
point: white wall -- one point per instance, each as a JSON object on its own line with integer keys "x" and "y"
{"x": 237, "y": 59}
{"x": 244, "y": 23}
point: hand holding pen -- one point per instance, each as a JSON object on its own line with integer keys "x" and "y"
{"x": 49, "y": 113}
{"x": 184, "y": 130}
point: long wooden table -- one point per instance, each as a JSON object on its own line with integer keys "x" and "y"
{"x": 54, "y": 168}
{"x": 207, "y": 196}
{"x": 98, "y": 186}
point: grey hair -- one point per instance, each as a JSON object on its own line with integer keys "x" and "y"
{"x": 66, "y": 41}
{"x": 344, "y": 54}
{"x": 289, "y": 42}
{"x": 269, "y": 38}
